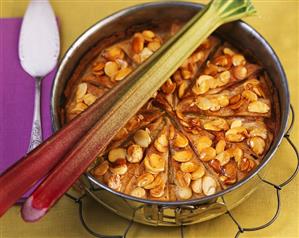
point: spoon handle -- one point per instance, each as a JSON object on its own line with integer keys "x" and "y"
{"x": 36, "y": 131}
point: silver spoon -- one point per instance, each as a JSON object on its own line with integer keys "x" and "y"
{"x": 39, "y": 47}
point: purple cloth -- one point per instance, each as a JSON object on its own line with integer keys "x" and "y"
{"x": 17, "y": 98}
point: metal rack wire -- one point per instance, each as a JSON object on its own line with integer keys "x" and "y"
{"x": 241, "y": 229}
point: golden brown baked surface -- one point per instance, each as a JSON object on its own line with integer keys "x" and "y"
{"x": 208, "y": 126}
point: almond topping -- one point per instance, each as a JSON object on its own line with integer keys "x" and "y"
{"x": 154, "y": 163}
{"x": 223, "y": 158}
{"x": 182, "y": 179}
{"x": 145, "y": 179}
{"x": 182, "y": 156}
{"x": 134, "y": 153}
{"x": 240, "y": 72}
{"x": 121, "y": 74}
{"x": 207, "y": 154}
{"x": 148, "y": 34}
{"x": 138, "y": 192}
{"x": 142, "y": 138}
{"x": 249, "y": 95}
{"x": 258, "y": 107}
{"x": 180, "y": 141}
{"x": 161, "y": 143}
{"x": 201, "y": 85}
{"x": 188, "y": 167}
{"x": 257, "y": 144}
{"x": 101, "y": 169}
{"x": 115, "y": 154}
{"x": 113, "y": 53}
{"x": 236, "y": 134}
{"x": 216, "y": 125}
{"x": 203, "y": 142}
{"x": 198, "y": 173}
{"x": 158, "y": 191}
{"x": 111, "y": 68}
{"x": 119, "y": 169}
{"x": 81, "y": 90}
{"x": 183, "y": 193}
{"x": 89, "y": 99}
{"x": 114, "y": 182}
{"x": 208, "y": 185}
{"x": 157, "y": 182}
{"x": 238, "y": 59}
{"x": 220, "y": 146}
{"x": 196, "y": 185}
{"x": 138, "y": 43}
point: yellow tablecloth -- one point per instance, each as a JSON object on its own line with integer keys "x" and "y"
{"x": 278, "y": 22}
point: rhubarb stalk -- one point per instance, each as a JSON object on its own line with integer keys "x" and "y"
{"x": 130, "y": 99}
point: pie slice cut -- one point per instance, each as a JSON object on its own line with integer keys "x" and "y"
{"x": 237, "y": 146}
{"x": 188, "y": 176}
{"x": 248, "y": 98}
{"x": 119, "y": 167}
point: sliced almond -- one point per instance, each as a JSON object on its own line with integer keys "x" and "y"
{"x": 145, "y": 179}
{"x": 157, "y": 182}
{"x": 134, "y": 153}
{"x": 111, "y": 68}
{"x": 148, "y": 34}
{"x": 220, "y": 146}
{"x": 145, "y": 54}
{"x": 236, "y": 123}
{"x": 158, "y": 191}
{"x": 115, "y": 154}
{"x": 257, "y": 144}
{"x": 238, "y": 59}
{"x": 89, "y": 99}
{"x": 208, "y": 185}
{"x": 196, "y": 185}
{"x": 203, "y": 142}
{"x": 258, "y": 107}
{"x": 183, "y": 193}
{"x": 216, "y": 125}
{"x": 113, "y": 53}
{"x": 207, "y": 154}
{"x": 182, "y": 179}
{"x": 180, "y": 141}
{"x": 142, "y": 138}
{"x": 224, "y": 77}
{"x": 249, "y": 95}
{"x": 154, "y": 163}
{"x": 198, "y": 173}
{"x": 228, "y": 51}
{"x": 188, "y": 167}
{"x": 101, "y": 169}
{"x": 81, "y": 90}
{"x": 240, "y": 72}
{"x": 114, "y": 182}
{"x": 161, "y": 143}
{"x": 138, "y": 43}
{"x": 121, "y": 74}
{"x": 182, "y": 156}
{"x": 259, "y": 131}
{"x": 138, "y": 192}
{"x": 79, "y": 107}
{"x": 236, "y": 134}
{"x": 119, "y": 169}
{"x": 223, "y": 158}
{"x": 201, "y": 85}
{"x": 182, "y": 88}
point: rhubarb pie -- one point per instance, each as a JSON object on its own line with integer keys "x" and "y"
{"x": 207, "y": 128}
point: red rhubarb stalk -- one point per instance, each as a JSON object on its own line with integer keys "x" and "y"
{"x": 20, "y": 177}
